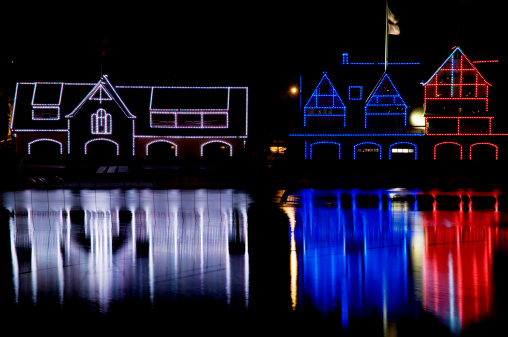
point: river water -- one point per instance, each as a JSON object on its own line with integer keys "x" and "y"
{"x": 352, "y": 260}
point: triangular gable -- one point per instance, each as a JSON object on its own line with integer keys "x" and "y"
{"x": 103, "y": 91}
{"x": 325, "y": 96}
{"x": 385, "y": 94}
{"x": 458, "y": 63}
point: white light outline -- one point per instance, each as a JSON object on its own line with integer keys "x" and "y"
{"x": 162, "y": 141}
{"x": 218, "y": 141}
{"x": 103, "y": 139}
{"x": 44, "y": 140}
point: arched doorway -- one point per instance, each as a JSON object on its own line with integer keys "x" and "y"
{"x": 483, "y": 151}
{"x": 448, "y": 151}
{"x": 325, "y": 151}
{"x": 402, "y": 151}
{"x": 45, "y": 150}
{"x": 161, "y": 150}
{"x": 367, "y": 151}
{"x": 216, "y": 150}
{"x": 102, "y": 150}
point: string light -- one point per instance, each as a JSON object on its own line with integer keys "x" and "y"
{"x": 324, "y": 142}
{"x": 103, "y": 139}
{"x": 392, "y": 149}
{"x": 217, "y": 141}
{"x": 383, "y": 97}
{"x": 162, "y": 141}
{"x": 378, "y": 149}
{"x": 489, "y": 144}
{"x": 101, "y": 121}
{"x": 324, "y": 97}
{"x": 444, "y": 143}
{"x": 43, "y": 140}
{"x": 345, "y": 61}
{"x": 358, "y": 89}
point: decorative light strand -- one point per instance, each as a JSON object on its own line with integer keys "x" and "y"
{"x": 490, "y": 144}
{"x": 324, "y": 142}
{"x": 315, "y": 101}
{"x": 443, "y": 143}
{"x": 103, "y": 139}
{"x": 217, "y": 141}
{"x": 377, "y": 94}
{"x": 392, "y": 148}
{"x": 161, "y": 141}
{"x": 379, "y": 148}
{"x": 44, "y": 140}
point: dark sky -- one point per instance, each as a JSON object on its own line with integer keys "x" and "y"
{"x": 263, "y": 45}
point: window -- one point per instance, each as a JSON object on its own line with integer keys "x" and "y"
{"x": 45, "y": 113}
{"x": 101, "y": 122}
{"x": 403, "y": 150}
{"x": 355, "y": 93}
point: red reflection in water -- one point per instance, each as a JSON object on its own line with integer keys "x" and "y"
{"x": 457, "y": 264}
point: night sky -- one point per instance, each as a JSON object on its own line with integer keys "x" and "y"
{"x": 263, "y": 45}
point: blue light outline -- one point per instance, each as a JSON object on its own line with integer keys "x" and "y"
{"x": 324, "y": 142}
{"x": 376, "y": 96}
{"x": 370, "y": 143}
{"x": 398, "y": 143}
{"x": 316, "y": 94}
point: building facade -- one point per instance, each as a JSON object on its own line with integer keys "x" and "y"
{"x": 100, "y": 120}
{"x": 455, "y": 121}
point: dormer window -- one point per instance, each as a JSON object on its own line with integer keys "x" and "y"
{"x": 101, "y": 123}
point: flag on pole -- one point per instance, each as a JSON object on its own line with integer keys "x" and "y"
{"x": 393, "y": 28}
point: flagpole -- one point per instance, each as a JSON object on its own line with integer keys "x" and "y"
{"x": 386, "y": 34}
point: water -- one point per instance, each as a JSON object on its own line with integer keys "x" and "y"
{"x": 383, "y": 260}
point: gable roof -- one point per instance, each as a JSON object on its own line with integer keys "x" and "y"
{"x": 325, "y": 96}
{"x": 448, "y": 64}
{"x": 103, "y": 91}
{"x": 383, "y": 89}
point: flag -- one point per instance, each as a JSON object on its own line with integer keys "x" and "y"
{"x": 393, "y": 28}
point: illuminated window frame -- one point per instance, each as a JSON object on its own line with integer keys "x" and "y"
{"x": 352, "y": 98}
{"x": 44, "y": 140}
{"x": 391, "y": 148}
{"x": 101, "y": 118}
{"x": 56, "y": 105}
{"x": 324, "y": 142}
{"x": 443, "y": 143}
{"x": 202, "y": 112}
{"x": 161, "y": 141}
{"x": 458, "y": 126}
{"x": 368, "y": 143}
{"x": 202, "y": 124}
{"x": 45, "y": 107}
{"x": 103, "y": 139}
{"x": 217, "y": 141}
{"x": 491, "y": 144}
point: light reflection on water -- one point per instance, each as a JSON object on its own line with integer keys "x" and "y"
{"x": 104, "y": 246}
{"x": 356, "y": 254}
{"x": 361, "y": 255}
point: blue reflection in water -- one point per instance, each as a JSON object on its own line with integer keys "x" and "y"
{"x": 352, "y": 261}
{"x": 374, "y": 255}
{"x": 105, "y": 246}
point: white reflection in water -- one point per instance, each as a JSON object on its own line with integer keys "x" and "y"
{"x": 107, "y": 245}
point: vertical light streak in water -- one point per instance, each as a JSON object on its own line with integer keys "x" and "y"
{"x": 293, "y": 260}
{"x": 451, "y": 286}
{"x": 14, "y": 257}
{"x": 33, "y": 262}
{"x": 150, "y": 228}
{"x": 78, "y": 261}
